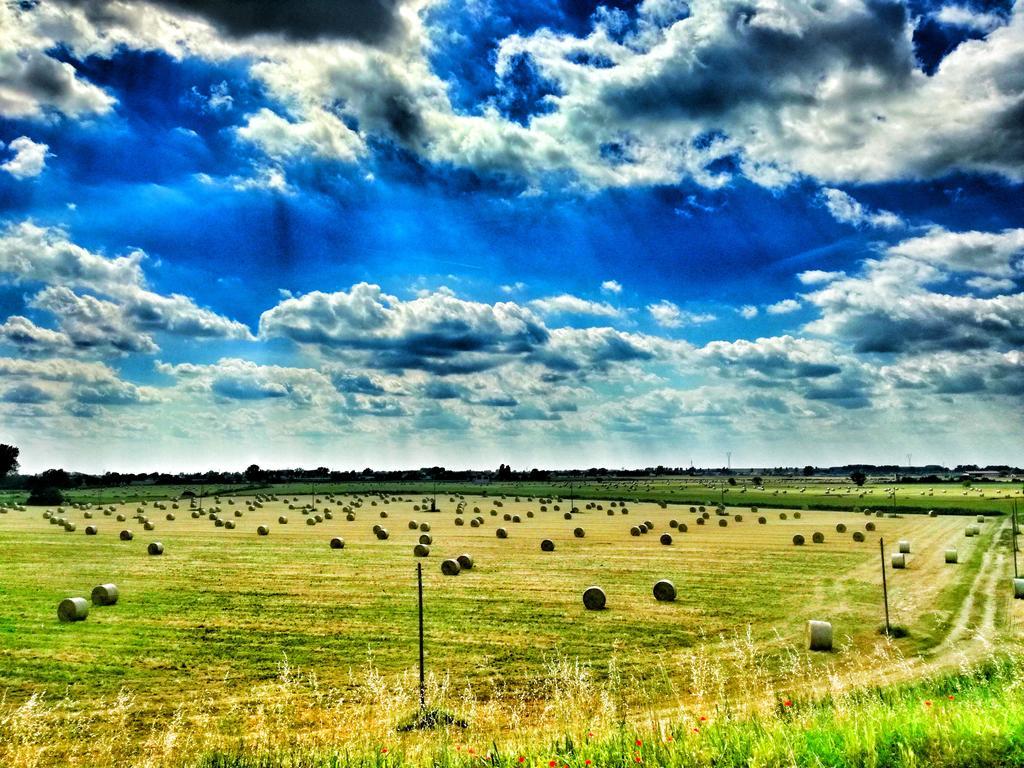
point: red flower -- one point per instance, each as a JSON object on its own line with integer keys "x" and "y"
{"x": 787, "y": 703}
{"x": 696, "y": 730}
{"x": 668, "y": 738}
{"x": 927, "y": 702}
{"x": 522, "y": 759}
{"x": 552, "y": 764}
{"x": 586, "y": 762}
{"x": 951, "y": 697}
{"x": 639, "y": 743}
{"x": 383, "y": 750}
{"x": 703, "y": 719}
{"x": 637, "y": 759}
{"x": 590, "y": 734}
{"x": 470, "y": 750}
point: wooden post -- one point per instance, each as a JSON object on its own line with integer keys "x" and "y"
{"x": 885, "y": 588}
{"x": 423, "y": 683}
{"x": 1013, "y": 539}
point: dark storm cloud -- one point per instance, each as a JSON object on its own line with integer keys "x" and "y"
{"x": 368, "y": 21}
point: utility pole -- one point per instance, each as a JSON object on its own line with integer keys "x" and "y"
{"x": 423, "y": 679}
{"x": 885, "y": 588}
{"x": 728, "y": 460}
{"x": 1013, "y": 539}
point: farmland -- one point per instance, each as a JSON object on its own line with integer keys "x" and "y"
{"x": 237, "y": 638}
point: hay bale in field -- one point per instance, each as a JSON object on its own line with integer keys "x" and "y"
{"x": 782, "y": 515}
{"x": 383, "y": 534}
{"x": 105, "y": 594}
{"x": 170, "y": 516}
{"x": 798, "y": 540}
{"x": 126, "y": 535}
{"x": 869, "y": 526}
{"x": 879, "y": 513}
{"x": 682, "y": 528}
{"x": 507, "y": 517}
{"x": 529, "y": 513}
{"x": 282, "y": 520}
{"x": 383, "y": 514}
{"x": 567, "y": 516}
{"x": 1018, "y": 589}
{"x": 649, "y": 524}
{"x": 350, "y": 517}
{"x": 579, "y": 533}
{"x": 796, "y": 515}
{"x": 932, "y": 512}
{"x": 465, "y": 561}
{"x": 501, "y": 533}
{"x": 972, "y": 530}
{"x": 980, "y": 518}
{"x": 229, "y": 525}
{"x": 700, "y": 521}
{"x": 425, "y": 527}
{"x": 450, "y": 567}
{"x": 738, "y": 518}
{"x": 547, "y": 545}
{"x": 218, "y": 522}
{"x": 819, "y": 636}
{"x": 666, "y": 539}
{"x": 195, "y": 515}
{"x": 611, "y": 513}
{"x": 413, "y": 525}
{"x": 73, "y": 609}
{"x": 594, "y": 599}
{"x": 91, "y": 530}
{"x": 762, "y": 520}
{"x": 818, "y": 537}
{"x": 318, "y": 518}
{"x": 460, "y": 521}
{"x": 858, "y": 536}
{"x": 475, "y": 522}
{"x": 951, "y": 556}
{"x": 840, "y": 528}
{"x": 263, "y": 530}
{"x": 421, "y": 550}
{"x": 426, "y": 538}
{"x": 642, "y": 527}
{"x": 238, "y": 513}
{"x": 88, "y": 516}
{"x": 899, "y": 560}
{"x": 692, "y": 510}
{"x": 155, "y": 548}
{"x": 516, "y": 519}
{"x": 69, "y": 527}
{"x": 904, "y": 546}
{"x": 664, "y": 590}
{"x": 673, "y": 523}
{"x": 723, "y": 523}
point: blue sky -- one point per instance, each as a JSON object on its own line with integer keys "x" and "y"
{"x": 538, "y": 233}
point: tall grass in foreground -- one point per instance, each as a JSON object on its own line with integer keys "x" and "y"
{"x": 972, "y": 718}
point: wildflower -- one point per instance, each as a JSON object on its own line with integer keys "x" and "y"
{"x": 522, "y": 759}
{"x": 787, "y": 703}
{"x": 552, "y": 764}
{"x": 587, "y": 761}
{"x": 668, "y": 738}
{"x": 470, "y": 750}
{"x": 639, "y": 743}
{"x": 383, "y": 750}
{"x": 951, "y": 697}
{"x": 637, "y": 759}
{"x": 696, "y": 730}
{"x": 703, "y": 718}
{"x": 590, "y": 734}
{"x": 458, "y": 748}
{"x": 927, "y": 702}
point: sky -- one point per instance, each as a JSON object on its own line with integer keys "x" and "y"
{"x": 548, "y": 233}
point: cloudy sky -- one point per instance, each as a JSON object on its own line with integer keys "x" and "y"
{"x": 540, "y": 232}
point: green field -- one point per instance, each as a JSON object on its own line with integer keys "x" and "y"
{"x": 240, "y": 643}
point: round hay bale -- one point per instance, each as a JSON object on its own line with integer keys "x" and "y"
{"x": 796, "y": 515}
{"x": 90, "y": 530}
{"x": 126, "y": 535}
{"x": 673, "y": 523}
{"x": 904, "y": 546}
{"x": 383, "y": 514}
{"x": 450, "y": 567}
{"x": 282, "y": 520}
{"x": 195, "y": 515}
{"x": 723, "y": 523}
{"x": 238, "y": 513}
{"x": 123, "y": 518}
{"x": 818, "y": 537}
{"x": 475, "y": 522}
{"x": 819, "y": 636}
{"x": 413, "y": 525}
{"x": 1018, "y": 589}
{"x": 858, "y": 536}
{"x": 421, "y": 550}
{"x": 465, "y": 561}
{"x": 350, "y": 517}
{"x": 642, "y": 527}
{"x": 579, "y": 533}
{"x": 547, "y": 545}
{"x": 516, "y": 519}
{"x": 501, "y": 533}
{"x": 263, "y": 530}
{"x": 666, "y": 539}
{"x": 798, "y": 540}
{"x": 664, "y": 590}
{"x": 567, "y": 516}
{"x": 869, "y": 526}
{"x": 310, "y": 521}
{"x": 782, "y": 515}
{"x": 762, "y": 520}
{"x": 738, "y": 518}
{"x": 649, "y": 524}
{"x": 700, "y": 521}
{"x": 426, "y": 538}
{"x": 682, "y": 528}
{"x": 230, "y": 525}
{"x": 899, "y": 560}
{"x": 383, "y": 534}
{"x": 951, "y": 556}
{"x": 73, "y": 609}
{"x": 155, "y": 548}
{"x": 425, "y": 527}
{"x": 88, "y": 516}
{"x": 460, "y": 521}
{"x": 218, "y": 523}
{"x": 840, "y": 528}
{"x": 594, "y": 599}
{"x": 507, "y": 517}
{"x": 529, "y": 513}
{"x": 105, "y": 594}
{"x": 170, "y": 516}
{"x": 980, "y": 518}
{"x": 879, "y": 513}
{"x": 69, "y": 527}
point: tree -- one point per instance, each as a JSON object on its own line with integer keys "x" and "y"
{"x": 732, "y": 481}
{"x": 504, "y": 472}
{"x": 253, "y": 473}
{"x": 8, "y": 459}
{"x": 757, "y": 480}
{"x": 858, "y": 477}
{"x": 46, "y": 497}
{"x": 808, "y": 471}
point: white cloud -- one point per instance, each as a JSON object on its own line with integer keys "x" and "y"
{"x": 996, "y": 254}
{"x": 29, "y": 158}
{"x": 987, "y": 284}
{"x": 846, "y": 209}
{"x": 611, "y": 287}
{"x": 783, "y": 307}
{"x": 748, "y": 312}
{"x": 320, "y": 134}
{"x": 961, "y": 16}
{"x": 818, "y": 276}
{"x": 566, "y": 304}
{"x": 668, "y": 315}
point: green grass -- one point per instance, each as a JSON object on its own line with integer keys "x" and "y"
{"x": 965, "y": 720}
